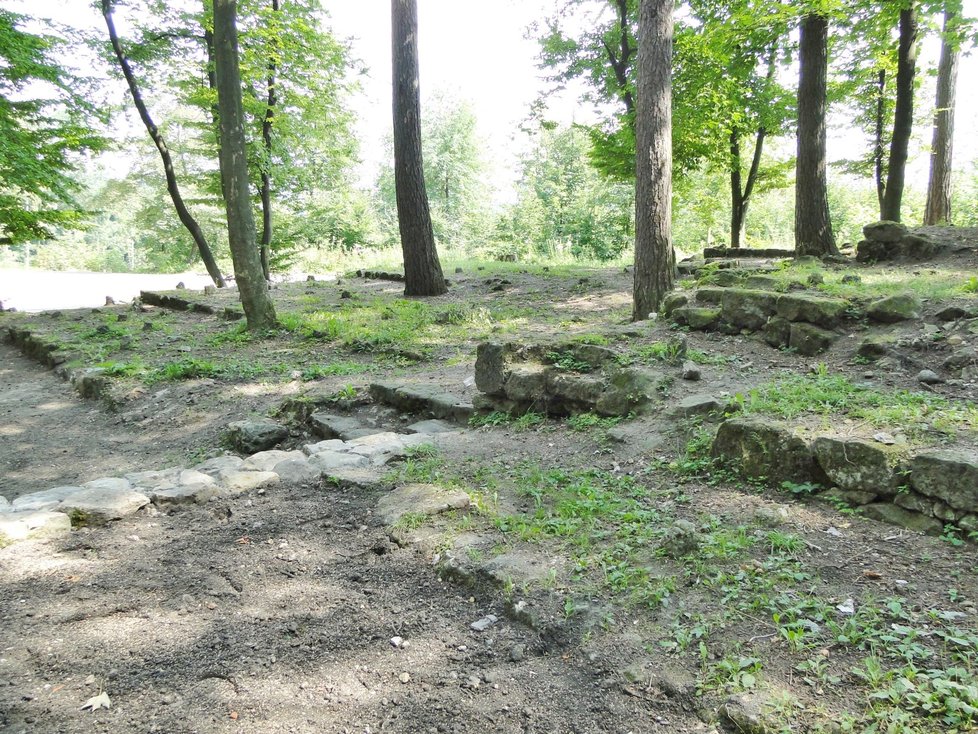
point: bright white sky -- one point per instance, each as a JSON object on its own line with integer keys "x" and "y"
{"x": 477, "y": 51}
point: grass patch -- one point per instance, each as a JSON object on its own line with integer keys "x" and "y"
{"x": 916, "y": 413}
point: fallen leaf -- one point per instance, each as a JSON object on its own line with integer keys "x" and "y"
{"x": 847, "y": 607}
{"x": 872, "y": 575}
{"x": 243, "y": 540}
{"x": 234, "y": 715}
{"x": 885, "y": 438}
{"x": 101, "y": 701}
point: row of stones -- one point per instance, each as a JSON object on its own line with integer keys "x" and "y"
{"x": 111, "y": 498}
{"x": 798, "y": 320}
{"x": 921, "y": 491}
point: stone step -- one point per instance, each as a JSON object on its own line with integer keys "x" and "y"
{"x": 424, "y": 399}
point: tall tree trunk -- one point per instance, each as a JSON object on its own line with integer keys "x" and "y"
{"x": 740, "y": 190}
{"x": 813, "y": 227}
{"x": 902, "y": 115}
{"x": 655, "y": 259}
{"x": 252, "y": 288}
{"x": 422, "y": 270}
{"x": 265, "y": 189}
{"x": 938, "y": 210}
{"x": 186, "y": 218}
{"x": 879, "y": 147}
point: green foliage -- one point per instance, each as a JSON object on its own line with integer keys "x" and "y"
{"x": 567, "y": 362}
{"x": 45, "y": 123}
{"x": 584, "y": 422}
{"x": 564, "y": 207}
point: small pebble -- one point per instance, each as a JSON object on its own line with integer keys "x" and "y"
{"x": 404, "y": 678}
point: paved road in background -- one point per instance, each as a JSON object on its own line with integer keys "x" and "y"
{"x": 43, "y": 290}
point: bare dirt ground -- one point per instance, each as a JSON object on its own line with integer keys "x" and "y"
{"x": 274, "y": 611}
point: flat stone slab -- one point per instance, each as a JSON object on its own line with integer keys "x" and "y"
{"x": 856, "y": 464}
{"x": 359, "y": 477}
{"x": 420, "y": 499}
{"x": 235, "y": 481}
{"x": 183, "y": 495}
{"x": 422, "y": 398}
{"x": 329, "y": 425}
{"x": 297, "y": 471}
{"x": 894, "y": 515}
{"x": 333, "y": 444}
{"x": 46, "y": 500}
{"x": 33, "y": 524}
{"x": 104, "y": 503}
{"x": 116, "y": 484}
{"x": 266, "y": 460}
{"x": 431, "y": 426}
{"x": 256, "y": 435}
{"x": 698, "y": 405}
{"x": 220, "y": 463}
{"x": 154, "y": 479}
{"x": 327, "y": 461}
{"x": 520, "y": 567}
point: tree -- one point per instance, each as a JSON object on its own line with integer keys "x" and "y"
{"x": 938, "y": 209}
{"x": 186, "y": 218}
{"x": 813, "y": 227}
{"x": 252, "y": 288}
{"x": 902, "y": 115}
{"x": 422, "y": 270}
{"x": 655, "y": 259}
{"x": 45, "y": 122}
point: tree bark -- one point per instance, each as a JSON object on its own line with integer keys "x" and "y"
{"x": 902, "y": 115}
{"x": 813, "y": 226}
{"x": 422, "y": 270}
{"x": 879, "y": 149}
{"x": 265, "y": 189}
{"x": 655, "y": 259}
{"x": 252, "y": 288}
{"x": 186, "y": 218}
{"x": 938, "y": 209}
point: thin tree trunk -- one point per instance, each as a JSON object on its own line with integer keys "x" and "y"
{"x": 741, "y": 191}
{"x": 879, "y": 148}
{"x": 902, "y": 116}
{"x": 813, "y": 226}
{"x": 620, "y": 60}
{"x": 212, "y": 84}
{"x": 422, "y": 270}
{"x": 186, "y": 218}
{"x": 265, "y": 190}
{"x": 252, "y": 288}
{"x": 938, "y": 209}
{"x": 655, "y": 259}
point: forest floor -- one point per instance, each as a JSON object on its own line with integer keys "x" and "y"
{"x": 275, "y": 610}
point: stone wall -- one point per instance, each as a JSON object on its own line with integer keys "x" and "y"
{"x": 920, "y": 489}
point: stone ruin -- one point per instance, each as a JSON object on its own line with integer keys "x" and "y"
{"x": 918, "y": 489}
{"x": 561, "y": 379}
{"x": 887, "y": 240}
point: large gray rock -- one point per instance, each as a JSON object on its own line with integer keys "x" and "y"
{"x": 884, "y": 231}
{"x": 102, "y": 504}
{"x": 890, "y": 310}
{"x": 809, "y": 340}
{"x": 26, "y": 524}
{"x": 671, "y": 302}
{"x": 894, "y": 515}
{"x": 251, "y": 436}
{"x": 855, "y": 464}
{"x": 747, "y": 309}
{"x": 47, "y": 499}
{"x": 950, "y": 475}
{"x": 628, "y": 390}
{"x": 824, "y": 312}
{"x": 527, "y": 382}
{"x": 760, "y": 447}
{"x": 420, "y": 499}
{"x": 333, "y": 444}
{"x": 699, "y": 405}
{"x": 430, "y": 427}
{"x": 154, "y": 479}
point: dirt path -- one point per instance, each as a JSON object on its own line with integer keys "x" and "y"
{"x": 273, "y": 613}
